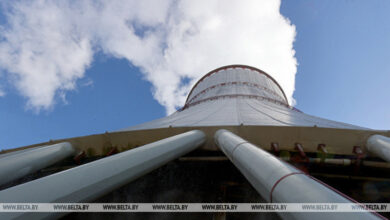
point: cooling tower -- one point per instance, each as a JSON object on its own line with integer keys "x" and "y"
{"x": 236, "y": 139}
{"x": 239, "y": 95}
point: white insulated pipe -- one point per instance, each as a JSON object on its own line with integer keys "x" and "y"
{"x": 92, "y": 180}
{"x": 277, "y": 181}
{"x": 18, "y": 164}
{"x": 380, "y": 146}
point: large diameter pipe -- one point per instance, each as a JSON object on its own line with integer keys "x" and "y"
{"x": 277, "y": 181}
{"x": 92, "y": 180}
{"x": 15, "y": 165}
{"x": 380, "y": 146}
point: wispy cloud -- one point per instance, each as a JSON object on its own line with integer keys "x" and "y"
{"x": 46, "y": 46}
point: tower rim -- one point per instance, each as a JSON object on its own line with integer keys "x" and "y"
{"x": 232, "y": 67}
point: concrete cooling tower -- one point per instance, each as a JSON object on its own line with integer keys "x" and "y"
{"x": 236, "y": 140}
{"x": 239, "y": 95}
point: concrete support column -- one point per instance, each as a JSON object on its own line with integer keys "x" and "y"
{"x": 92, "y": 180}
{"x": 277, "y": 181}
{"x": 380, "y": 146}
{"x": 18, "y": 164}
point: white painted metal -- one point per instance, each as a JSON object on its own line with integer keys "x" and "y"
{"x": 238, "y": 96}
{"x": 18, "y": 164}
{"x": 237, "y": 79}
{"x": 92, "y": 180}
{"x": 380, "y": 146}
{"x": 277, "y": 181}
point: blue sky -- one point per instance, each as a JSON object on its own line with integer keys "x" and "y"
{"x": 343, "y": 50}
{"x": 342, "y": 47}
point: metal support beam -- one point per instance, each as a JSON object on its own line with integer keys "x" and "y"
{"x": 380, "y": 146}
{"x": 277, "y": 181}
{"x": 18, "y": 164}
{"x": 92, "y": 180}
